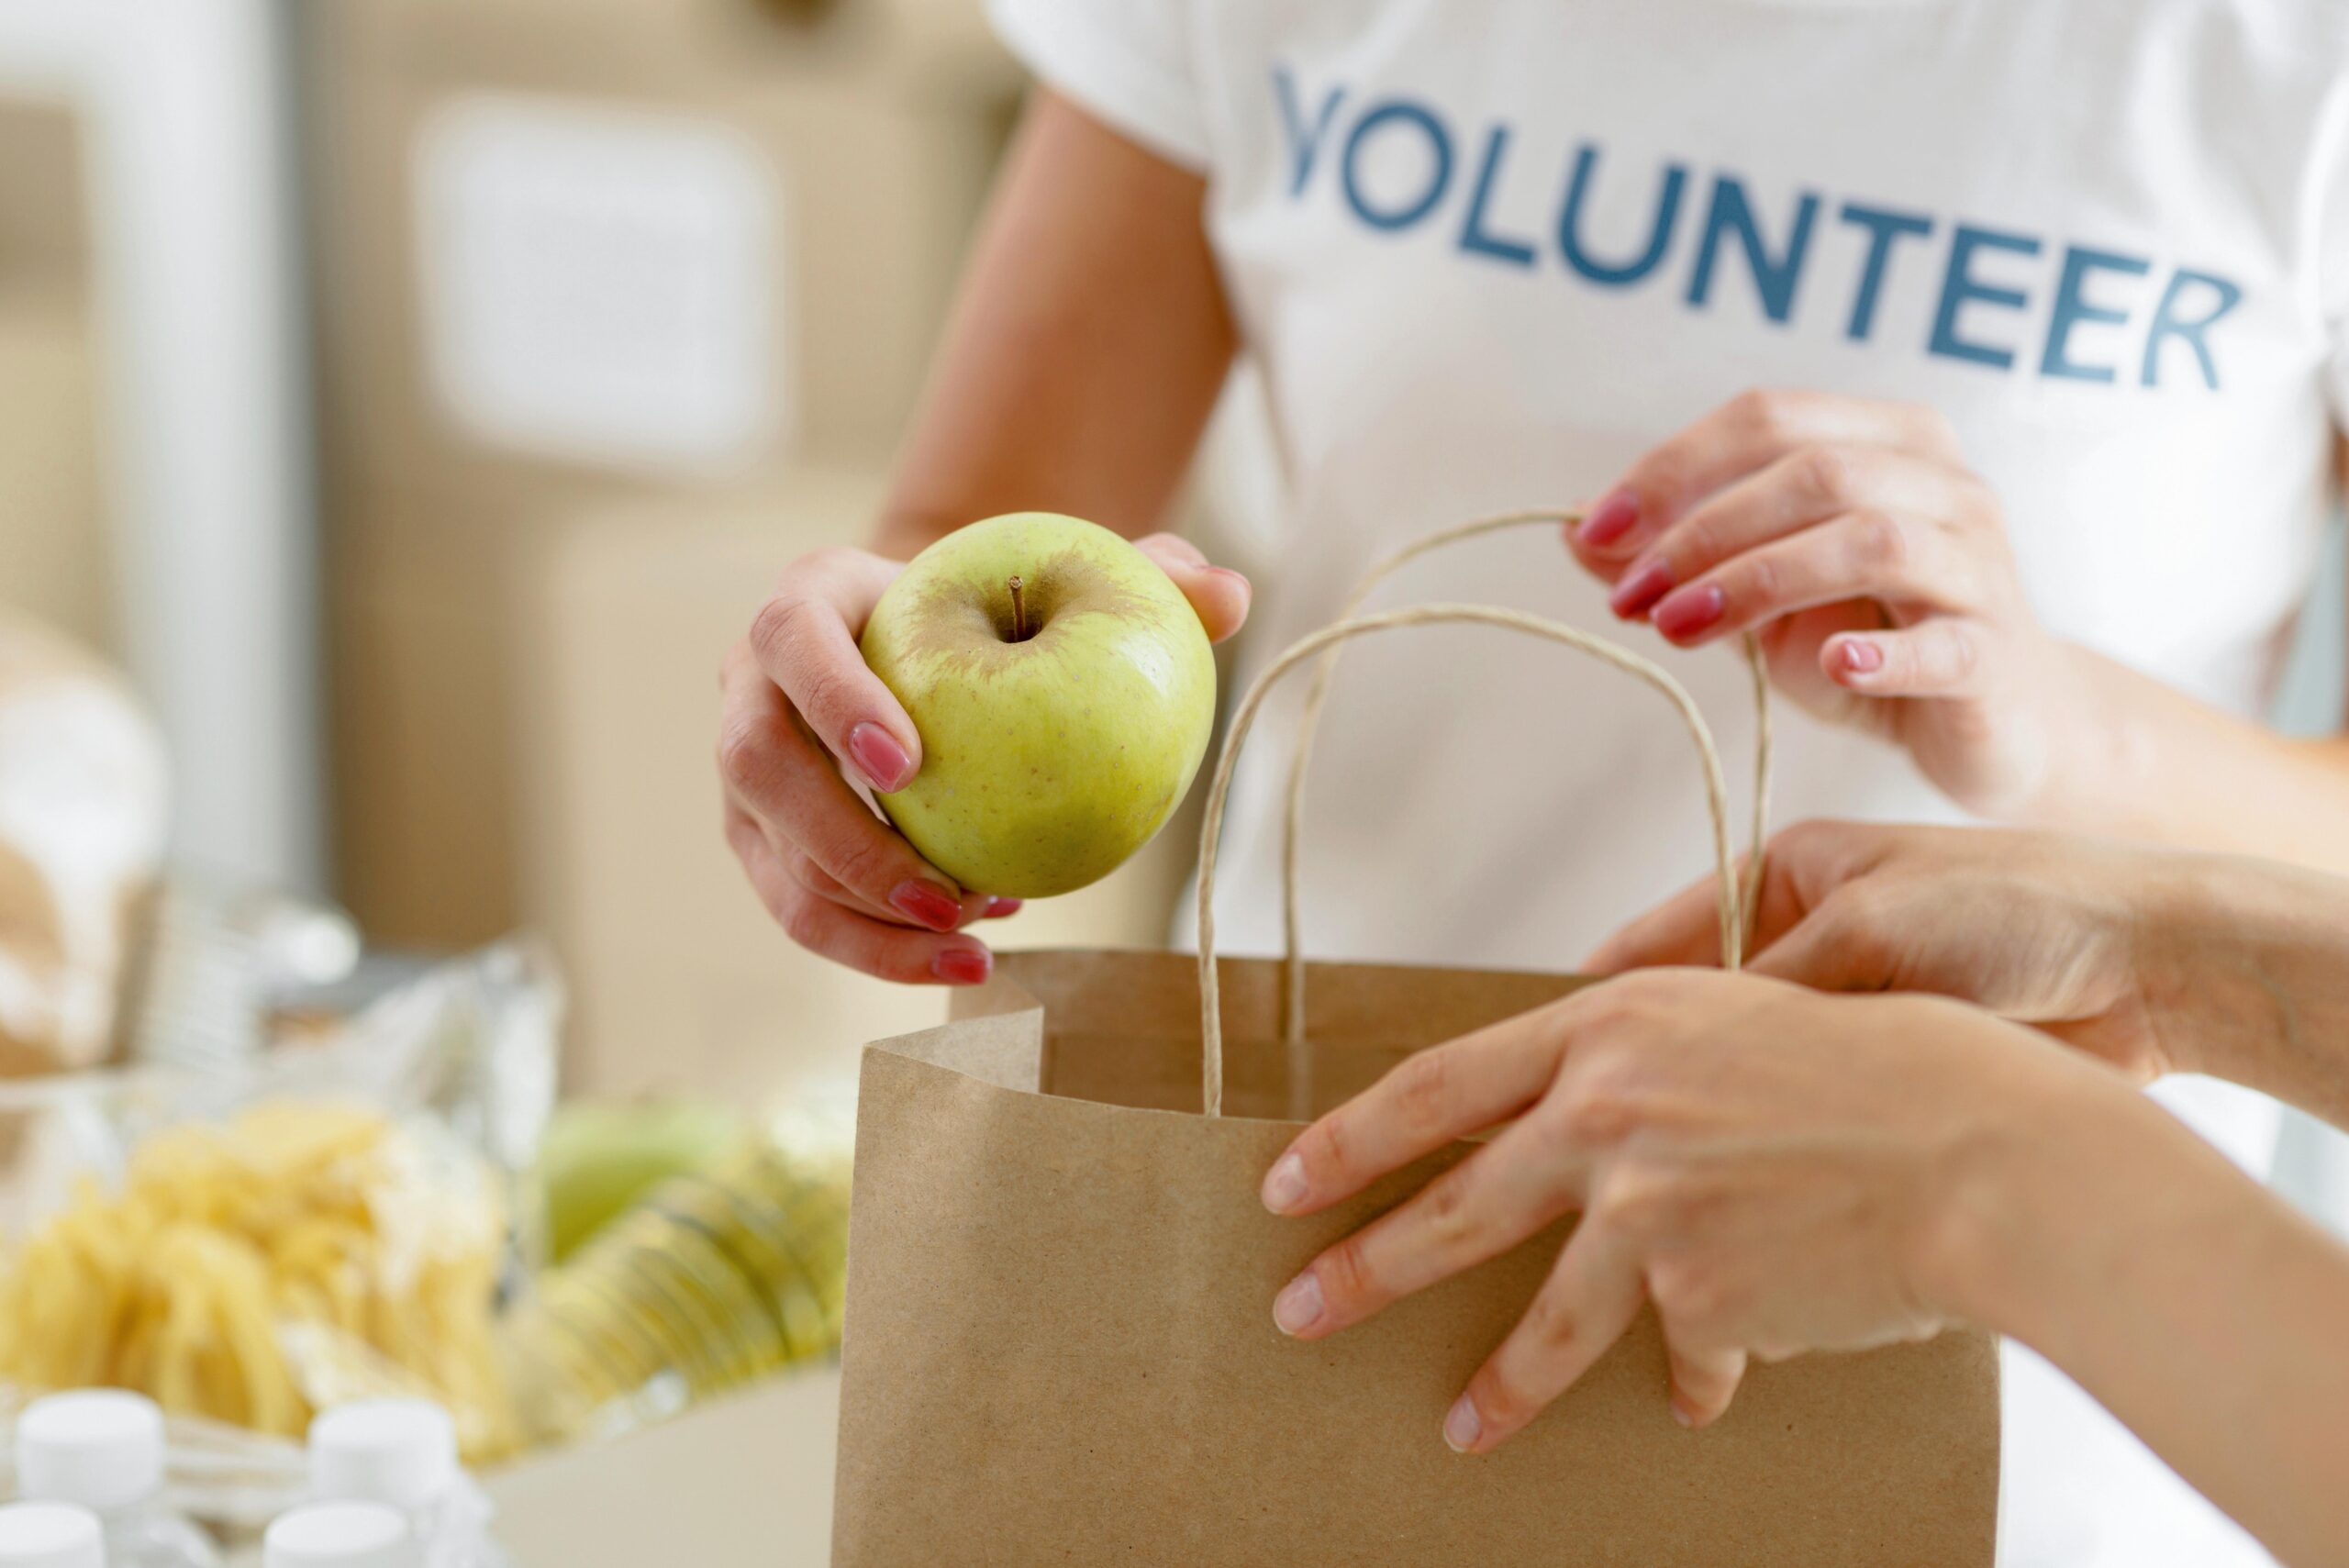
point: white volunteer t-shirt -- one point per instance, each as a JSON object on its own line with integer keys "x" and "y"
{"x": 1484, "y": 253}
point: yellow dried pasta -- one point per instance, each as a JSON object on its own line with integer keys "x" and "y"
{"x": 240, "y": 1266}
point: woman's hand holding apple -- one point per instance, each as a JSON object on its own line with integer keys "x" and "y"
{"x": 803, "y": 717}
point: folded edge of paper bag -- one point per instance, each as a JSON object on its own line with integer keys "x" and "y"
{"x": 994, "y": 1032}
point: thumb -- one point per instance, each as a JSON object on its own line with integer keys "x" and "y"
{"x": 1219, "y": 594}
{"x": 1841, "y": 946}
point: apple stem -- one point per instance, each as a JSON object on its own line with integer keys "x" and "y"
{"x": 1018, "y": 610}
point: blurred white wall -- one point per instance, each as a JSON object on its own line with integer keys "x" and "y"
{"x": 199, "y": 311}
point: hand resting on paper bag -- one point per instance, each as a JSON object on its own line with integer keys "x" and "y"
{"x": 1777, "y": 1171}
{"x": 2156, "y": 960}
{"x": 804, "y": 716}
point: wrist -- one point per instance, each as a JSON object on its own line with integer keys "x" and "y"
{"x": 2180, "y": 914}
{"x": 2012, "y": 1200}
{"x": 2093, "y": 750}
{"x": 2245, "y": 970}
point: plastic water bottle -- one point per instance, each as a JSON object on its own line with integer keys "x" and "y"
{"x": 403, "y": 1454}
{"x": 50, "y": 1535}
{"x": 102, "y": 1449}
{"x": 341, "y": 1535}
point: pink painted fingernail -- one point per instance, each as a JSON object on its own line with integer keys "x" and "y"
{"x": 1862, "y": 657}
{"x": 883, "y": 762}
{"x": 1298, "y": 1305}
{"x": 1285, "y": 1185}
{"x": 927, "y": 903}
{"x": 1608, "y": 521}
{"x": 962, "y": 966}
{"x": 998, "y": 907}
{"x": 1684, "y": 613}
{"x": 1463, "y": 1425}
{"x": 1642, "y": 586}
{"x": 1682, "y": 1413}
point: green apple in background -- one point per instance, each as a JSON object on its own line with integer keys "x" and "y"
{"x": 598, "y": 1158}
{"x": 1063, "y": 689}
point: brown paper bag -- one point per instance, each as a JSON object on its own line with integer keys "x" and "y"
{"x": 1060, "y": 1343}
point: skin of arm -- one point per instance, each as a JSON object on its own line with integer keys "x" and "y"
{"x": 2151, "y": 762}
{"x": 2156, "y": 960}
{"x": 1087, "y": 349}
{"x": 2201, "y": 1309}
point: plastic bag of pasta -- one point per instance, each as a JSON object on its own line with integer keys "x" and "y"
{"x": 332, "y": 1221}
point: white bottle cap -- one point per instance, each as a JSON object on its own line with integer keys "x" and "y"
{"x": 400, "y": 1451}
{"x": 102, "y": 1448}
{"x": 50, "y": 1535}
{"x": 340, "y": 1535}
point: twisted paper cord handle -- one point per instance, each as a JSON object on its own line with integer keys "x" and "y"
{"x": 1330, "y": 637}
{"x": 1317, "y": 696}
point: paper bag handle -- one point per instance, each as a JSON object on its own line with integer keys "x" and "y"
{"x": 1605, "y": 652}
{"x": 1317, "y": 696}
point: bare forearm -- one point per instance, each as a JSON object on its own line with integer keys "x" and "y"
{"x": 2199, "y": 1308}
{"x": 2150, "y": 762}
{"x": 1087, "y": 349}
{"x": 2245, "y": 968}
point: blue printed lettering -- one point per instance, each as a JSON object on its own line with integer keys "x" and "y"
{"x": 1473, "y": 235}
{"x": 1774, "y": 278}
{"x": 2072, "y": 308}
{"x": 1395, "y": 170}
{"x": 1884, "y": 227}
{"x": 1304, "y": 141}
{"x": 1578, "y": 256}
{"x": 2169, "y": 324}
{"x": 1960, "y": 288}
{"x": 1398, "y": 112}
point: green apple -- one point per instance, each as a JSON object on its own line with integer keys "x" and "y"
{"x": 1063, "y": 691}
{"x": 598, "y": 1158}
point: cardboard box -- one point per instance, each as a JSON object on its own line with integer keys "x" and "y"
{"x": 679, "y": 976}
{"x": 44, "y": 205}
{"x": 56, "y": 554}
{"x": 942, "y": 48}
{"x": 743, "y": 1483}
{"x": 423, "y": 598}
{"x": 684, "y": 246}
{"x": 56, "y": 548}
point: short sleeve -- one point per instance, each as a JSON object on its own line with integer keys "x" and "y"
{"x": 1127, "y": 62}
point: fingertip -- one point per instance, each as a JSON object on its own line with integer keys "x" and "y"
{"x": 1463, "y": 1426}
{"x": 1606, "y": 961}
{"x": 962, "y": 964}
{"x": 1222, "y": 598}
{"x": 1285, "y": 1186}
{"x": 1851, "y": 660}
{"x": 1694, "y": 1414}
{"x": 1602, "y": 529}
{"x": 888, "y": 762}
